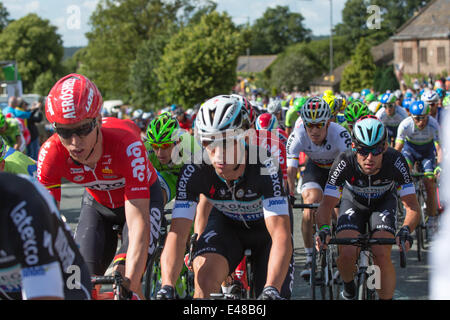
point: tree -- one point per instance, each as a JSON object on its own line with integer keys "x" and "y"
{"x": 276, "y": 29}
{"x": 4, "y": 14}
{"x": 359, "y": 74}
{"x": 385, "y": 79}
{"x": 36, "y": 47}
{"x": 200, "y": 61}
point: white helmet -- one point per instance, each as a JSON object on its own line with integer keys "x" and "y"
{"x": 137, "y": 114}
{"x": 221, "y": 114}
{"x": 274, "y": 106}
{"x": 429, "y": 96}
{"x": 315, "y": 110}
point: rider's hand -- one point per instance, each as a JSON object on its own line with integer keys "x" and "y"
{"x": 166, "y": 293}
{"x": 404, "y": 235}
{"x": 323, "y": 237}
{"x": 270, "y": 293}
{"x": 125, "y": 292}
{"x": 437, "y": 170}
{"x": 292, "y": 199}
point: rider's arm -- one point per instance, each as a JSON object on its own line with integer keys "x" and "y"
{"x": 401, "y": 136}
{"x": 281, "y": 250}
{"x": 138, "y": 220}
{"x": 293, "y": 149}
{"x": 18, "y": 142}
{"x": 326, "y": 207}
{"x": 201, "y": 217}
{"x": 412, "y": 208}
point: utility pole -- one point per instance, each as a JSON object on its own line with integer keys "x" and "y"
{"x": 331, "y": 40}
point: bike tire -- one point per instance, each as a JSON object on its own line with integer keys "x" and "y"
{"x": 362, "y": 287}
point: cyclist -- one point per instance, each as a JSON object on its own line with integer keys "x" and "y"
{"x": 418, "y": 140}
{"x": 275, "y": 108}
{"x": 250, "y": 210}
{"x": 14, "y": 161}
{"x": 269, "y": 122}
{"x": 110, "y": 160}
{"x": 391, "y": 115}
{"x": 364, "y": 179}
{"x": 322, "y": 140}
{"x": 431, "y": 100}
{"x": 293, "y": 113}
{"x": 38, "y": 257}
{"x": 10, "y": 131}
{"x": 355, "y": 110}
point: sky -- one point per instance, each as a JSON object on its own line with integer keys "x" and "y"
{"x": 71, "y": 17}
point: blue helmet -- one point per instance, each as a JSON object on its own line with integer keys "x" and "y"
{"x": 408, "y": 94}
{"x": 365, "y": 92}
{"x": 369, "y": 131}
{"x": 388, "y": 98}
{"x": 440, "y": 92}
{"x": 407, "y": 103}
{"x": 418, "y": 108}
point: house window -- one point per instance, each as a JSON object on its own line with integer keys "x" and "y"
{"x": 441, "y": 55}
{"x": 423, "y": 55}
{"x": 407, "y": 55}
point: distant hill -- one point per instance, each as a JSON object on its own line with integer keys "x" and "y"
{"x": 69, "y": 52}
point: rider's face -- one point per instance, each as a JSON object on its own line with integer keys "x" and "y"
{"x": 370, "y": 164}
{"x": 224, "y": 155}
{"x": 317, "y": 132}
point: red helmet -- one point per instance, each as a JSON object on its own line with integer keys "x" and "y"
{"x": 266, "y": 121}
{"x": 72, "y": 99}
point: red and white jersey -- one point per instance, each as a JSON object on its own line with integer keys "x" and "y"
{"x": 122, "y": 173}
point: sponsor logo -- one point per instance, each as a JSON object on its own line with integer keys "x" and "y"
{"x": 76, "y": 170}
{"x": 107, "y": 170}
{"x": 182, "y": 205}
{"x": 65, "y": 253}
{"x": 90, "y": 99}
{"x": 155, "y": 226}
{"x": 78, "y": 178}
{"x": 240, "y": 193}
{"x": 42, "y": 154}
{"x": 183, "y": 180}
{"x": 22, "y": 222}
{"x": 337, "y": 171}
{"x": 138, "y": 163}
{"x": 273, "y": 172}
{"x": 276, "y": 202}
{"x": 105, "y": 185}
{"x": 66, "y": 96}
{"x": 403, "y": 170}
{"x": 139, "y": 188}
{"x": 10, "y": 279}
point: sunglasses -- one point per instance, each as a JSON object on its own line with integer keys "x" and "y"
{"x": 419, "y": 118}
{"x": 374, "y": 151}
{"x": 81, "y": 131}
{"x": 390, "y": 105}
{"x": 319, "y": 125}
{"x": 163, "y": 146}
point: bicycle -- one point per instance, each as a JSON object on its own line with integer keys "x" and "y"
{"x": 119, "y": 291}
{"x": 326, "y": 278}
{"x": 152, "y": 278}
{"x": 365, "y": 261}
{"x": 421, "y": 229}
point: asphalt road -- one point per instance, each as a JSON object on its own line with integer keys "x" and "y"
{"x": 412, "y": 282}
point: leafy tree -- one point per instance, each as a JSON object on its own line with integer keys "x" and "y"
{"x": 385, "y": 79}
{"x": 359, "y": 74}
{"x": 44, "y": 82}
{"x": 276, "y": 29}
{"x": 200, "y": 61}
{"x": 36, "y": 47}
{"x": 4, "y": 14}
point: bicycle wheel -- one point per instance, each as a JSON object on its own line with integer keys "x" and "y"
{"x": 316, "y": 278}
{"x": 250, "y": 275}
{"x": 152, "y": 280}
{"x": 334, "y": 277}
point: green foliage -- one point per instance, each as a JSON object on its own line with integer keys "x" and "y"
{"x": 277, "y": 29}
{"x": 200, "y": 61}
{"x": 4, "y": 14}
{"x": 384, "y": 79}
{"x": 44, "y": 82}
{"x": 359, "y": 74}
{"x": 36, "y": 47}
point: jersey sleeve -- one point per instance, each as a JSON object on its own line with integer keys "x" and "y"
{"x": 274, "y": 199}
{"x": 49, "y": 167}
{"x": 402, "y": 176}
{"x": 401, "y": 132}
{"x": 337, "y": 176}
{"x": 345, "y": 141}
{"x": 187, "y": 195}
{"x": 293, "y": 148}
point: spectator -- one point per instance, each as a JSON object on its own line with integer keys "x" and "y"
{"x": 36, "y": 117}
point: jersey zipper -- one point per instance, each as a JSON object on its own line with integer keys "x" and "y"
{"x": 369, "y": 188}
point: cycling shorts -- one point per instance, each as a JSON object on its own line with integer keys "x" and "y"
{"x": 97, "y": 239}
{"x": 314, "y": 177}
{"x": 392, "y": 132}
{"x": 230, "y": 238}
{"x": 425, "y": 155}
{"x": 381, "y": 215}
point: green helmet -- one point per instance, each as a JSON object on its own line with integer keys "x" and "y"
{"x": 369, "y": 97}
{"x": 161, "y": 128}
{"x": 298, "y": 103}
{"x": 355, "y": 110}
{"x": 2, "y": 120}
{"x": 2, "y": 149}
{"x": 446, "y": 102}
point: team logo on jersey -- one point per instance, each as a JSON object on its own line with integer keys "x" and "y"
{"x": 240, "y": 193}
{"x": 78, "y": 178}
{"x": 107, "y": 170}
{"x": 76, "y": 170}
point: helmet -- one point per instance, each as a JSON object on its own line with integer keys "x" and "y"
{"x": 374, "y": 106}
{"x": 249, "y": 112}
{"x": 398, "y": 93}
{"x": 369, "y": 97}
{"x": 407, "y": 103}
{"x": 315, "y": 110}
{"x": 72, "y": 99}
{"x": 266, "y": 121}
{"x": 220, "y": 114}
{"x": 365, "y": 92}
{"x": 356, "y": 95}
{"x": 328, "y": 93}
{"x": 340, "y": 104}
{"x": 440, "y": 92}
{"x": 274, "y": 106}
{"x": 446, "y": 102}
{"x": 408, "y": 94}
{"x": 2, "y": 120}
{"x": 161, "y": 129}
{"x": 137, "y": 114}
{"x": 388, "y": 98}
{"x": 419, "y": 108}
{"x": 369, "y": 131}
{"x": 355, "y": 110}
{"x": 331, "y": 103}
{"x": 298, "y": 103}
{"x": 2, "y": 149}
{"x": 429, "y": 96}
